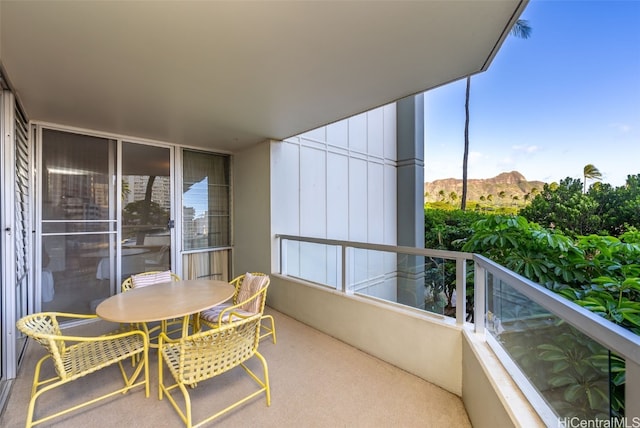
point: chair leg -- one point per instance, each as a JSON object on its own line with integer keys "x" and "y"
{"x": 269, "y": 330}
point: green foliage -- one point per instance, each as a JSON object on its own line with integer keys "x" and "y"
{"x": 619, "y": 208}
{"x": 443, "y": 228}
{"x": 144, "y": 212}
{"x": 602, "y": 210}
{"x": 564, "y": 207}
{"x": 599, "y": 273}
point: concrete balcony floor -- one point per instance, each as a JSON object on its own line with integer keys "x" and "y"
{"x": 316, "y": 381}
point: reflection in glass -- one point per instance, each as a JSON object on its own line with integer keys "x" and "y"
{"x": 146, "y": 209}
{"x": 206, "y": 200}
{"x": 570, "y": 371}
{"x": 76, "y": 225}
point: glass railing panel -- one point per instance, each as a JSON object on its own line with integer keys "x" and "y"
{"x": 572, "y": 373}
{"x": 318, "y": 263}
{"x": 426, "y": 283}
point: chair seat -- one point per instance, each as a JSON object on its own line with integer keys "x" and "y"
{"x": 212, "y": 314}
{"x": 201, "y": 356}
{"x": 87, "y": 357}
{"x": 77, "y": 356}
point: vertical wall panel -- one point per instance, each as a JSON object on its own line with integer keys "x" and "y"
{"x": 285, "y": 187}
{"x": 337, "y": 196}
{"x": 390, "y": 190}
{"x": 338, "y": 134}
{"x": 358, "y": 133}
{"x": 389, "y": 132}
{"x": 358, "y": 200}
{"x": 313, "y": 192}
{"x": 375, "y": 203}
{"x": 318, "y": 134}
{"x": 375, "y": 132}
{"x": 339, "y": 182}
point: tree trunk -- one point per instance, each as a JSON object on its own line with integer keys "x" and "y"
{"x": 465, "y": 156}
{"x": 145, "y": 208}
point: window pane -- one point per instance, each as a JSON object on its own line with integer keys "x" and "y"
{"x": 78, "y": 225}
{"x": 206, "y": 200}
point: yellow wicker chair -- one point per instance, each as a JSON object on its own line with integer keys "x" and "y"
{"x": 213, "y": 317}
{"x": 204, "y": 355}
{"x": 128, "y": 284}
{"x": 76, "y": 356}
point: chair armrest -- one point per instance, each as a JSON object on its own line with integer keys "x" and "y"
{"x": 163, "y": 338}
{"x": 101, "y": 338}
{"x": 231, "y": 311}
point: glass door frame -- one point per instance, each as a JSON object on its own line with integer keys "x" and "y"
{"x": 173, "y": 179}
{"x": 115, "y": 234}
{"x": 12, "y": 343}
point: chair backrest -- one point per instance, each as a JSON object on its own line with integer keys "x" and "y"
{"x": 44, "y": 328}
{"x": 212, "y": 352}
{"x": 148, "y": 278}
{"x": 247, "y": 291}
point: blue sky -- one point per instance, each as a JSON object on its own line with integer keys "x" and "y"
{"x": 549, "y": 105}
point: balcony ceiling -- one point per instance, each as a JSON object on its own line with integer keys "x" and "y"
{"x": 226, "y": 75}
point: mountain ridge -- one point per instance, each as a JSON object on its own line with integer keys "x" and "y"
{"x": 509, "y": 186}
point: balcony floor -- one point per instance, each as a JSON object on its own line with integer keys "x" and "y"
{"x": 316, "y": 381}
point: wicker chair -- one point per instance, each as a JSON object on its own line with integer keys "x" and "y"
{"x": 154, "y": 277}
{"x": 74, "y": 357}
{"x": 127, "y": 284}
{"x": 240, "y": 307}
{"x": 204, "y": 355}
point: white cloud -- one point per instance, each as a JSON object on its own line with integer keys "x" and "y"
{"x": 526, "y": 149}
{"x": 475, "y": 157}
{"x": 622, "y": 128}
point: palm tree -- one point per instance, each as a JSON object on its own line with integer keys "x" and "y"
{"x": 591, "y": 172}
{"x": 453, "y": 196}
{"x": 522, "y": 30}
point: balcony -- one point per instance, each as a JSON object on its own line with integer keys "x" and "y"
{"x": 316, "y": 381}
{"x": 528, "y": 357}
{"x": 351, "y": 350}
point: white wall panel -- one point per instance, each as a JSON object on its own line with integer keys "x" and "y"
{"x": 338, "y": 134}
{"x": 285, "y": 187}
{"x": 375, "y": 203}
{"x": 313, "y": 192}
{"x": 318, "y": 134}
{"x": 375, "y": 132}
{"x": 313, "y": 262}
{"x": 339, "y": 182}
{"x": 337, "y": 196}
{"x": 358, "y": 133}
{"x": 358, "y": 200}
{"x": 390, "y": 191}
{"x": 389, "y": 133}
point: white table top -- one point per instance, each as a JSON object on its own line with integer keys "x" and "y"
{"x": 164, "y": 301}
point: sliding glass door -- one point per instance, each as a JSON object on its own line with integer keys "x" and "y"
{"x": 146, "y": 208}
{"x": 85, "y": 255}
{"x": 78, "y": 226}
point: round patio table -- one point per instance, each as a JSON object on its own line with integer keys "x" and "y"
{"x": 165, "y": 301}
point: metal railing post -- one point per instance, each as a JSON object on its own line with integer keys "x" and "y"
{"x": 632, "y": 393}
{"x": 346, "y": 270}
{"x": 283, "y": 257}
{"x": 461, "y": 293}
{"x": 479, "y": 291}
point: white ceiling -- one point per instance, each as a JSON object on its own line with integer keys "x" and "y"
{"x": 225, "y": 75}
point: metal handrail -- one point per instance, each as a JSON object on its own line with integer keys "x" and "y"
{"x": 616, "y": 338}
